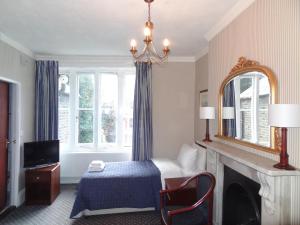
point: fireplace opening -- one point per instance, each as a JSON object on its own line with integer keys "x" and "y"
{"x": 241, "y": 201}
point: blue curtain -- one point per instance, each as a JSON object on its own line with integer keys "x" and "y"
{"x": 229, "y": 125}
{"x": 142, "y": 113}
{"x": 46, "y": 100}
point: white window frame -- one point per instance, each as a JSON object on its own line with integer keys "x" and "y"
{"x": 73, "y": 145}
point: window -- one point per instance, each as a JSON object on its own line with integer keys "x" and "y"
{"x": 253, "y": 96}
{"x": 96, "y": 108}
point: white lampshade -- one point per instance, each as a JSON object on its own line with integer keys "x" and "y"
{"x": 207, "y": 113}
{"x": 284, "y": 115}
{"x": 228, "y": 113}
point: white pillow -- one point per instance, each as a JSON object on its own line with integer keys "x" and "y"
{"x": 187, "y": 157}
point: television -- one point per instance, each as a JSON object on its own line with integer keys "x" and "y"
{"x": 41, "y": 153}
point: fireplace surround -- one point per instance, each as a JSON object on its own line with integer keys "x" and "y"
{"x": 274, "y": 184}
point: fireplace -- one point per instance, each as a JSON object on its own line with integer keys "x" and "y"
{"x": 250, "y": 173}
{"x": 241, "y": 199}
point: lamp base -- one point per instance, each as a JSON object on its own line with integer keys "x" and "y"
{"x": 284, "y": 167}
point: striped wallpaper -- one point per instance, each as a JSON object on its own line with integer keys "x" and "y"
{"x": 268, "y": 32}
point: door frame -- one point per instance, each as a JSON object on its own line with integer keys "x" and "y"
{"x": 14, "y": 134}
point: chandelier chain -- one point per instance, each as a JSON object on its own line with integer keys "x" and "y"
{"x": 149, "y": 15}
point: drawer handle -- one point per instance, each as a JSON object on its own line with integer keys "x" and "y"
{"x": 37, "y": 178}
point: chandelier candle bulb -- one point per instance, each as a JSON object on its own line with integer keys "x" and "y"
{"x": 133, "y": 47}
{"x": 166, "y": 43}
{"x": 147, "y": 31}
{"x": 133, "y": 44}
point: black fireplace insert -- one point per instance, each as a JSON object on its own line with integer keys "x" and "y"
{"x": 241, "y": 201}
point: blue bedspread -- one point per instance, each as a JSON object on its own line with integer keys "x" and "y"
{"x": 121, "y": 185}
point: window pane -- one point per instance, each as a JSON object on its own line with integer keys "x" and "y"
{"x": 263, "y": 128}
{"x": 246, "y": 92}
{"x": 108, "y": 108}
{"x": 86, "y": 90}
{"x": 63, "y": 108}
{"x": 63, "y": 125}
{"x": 245, "y": 84}
{"x": 64, "y": 91}
{"x": 128, "y": 97}
{"x": 246, "y": 125}
{"x": 264, "y": 93}
{"x": 85, "y": 134}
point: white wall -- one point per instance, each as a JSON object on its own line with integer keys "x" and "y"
{"x": 16, "y": 66}
{"x": 200, "y": 84}
{"x": 173, "y": 107}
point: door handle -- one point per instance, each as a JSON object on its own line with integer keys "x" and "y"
{"x": 10, "y": 142}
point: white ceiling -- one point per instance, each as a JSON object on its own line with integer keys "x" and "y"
{"x": 105, "y": 27}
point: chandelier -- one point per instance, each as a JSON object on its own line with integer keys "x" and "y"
{"x": 149, "y": 53}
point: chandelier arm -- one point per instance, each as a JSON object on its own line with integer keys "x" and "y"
{"x": 141, "y": 56}
{"x": 155, "y": 54}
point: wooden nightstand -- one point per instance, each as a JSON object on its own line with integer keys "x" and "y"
{"x": 42, "y": 185}
{"x": 187, "y": 196}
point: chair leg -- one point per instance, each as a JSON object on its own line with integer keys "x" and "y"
{"x": 162, "y": 221}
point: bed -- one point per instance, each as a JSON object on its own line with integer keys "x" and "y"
{"x": 133, "y": 186}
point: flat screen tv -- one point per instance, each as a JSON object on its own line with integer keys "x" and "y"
{"x": 41, "y": 153}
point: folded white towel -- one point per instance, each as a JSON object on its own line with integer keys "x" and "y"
{"x": 96, "y": 166}
{"x": 97, "y": 163}
{"x": 95, "y": 169}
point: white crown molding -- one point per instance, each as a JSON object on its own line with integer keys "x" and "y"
{"x": 88, "y": 61}
{"x": 203, "y": 52}
{"x": 85, "y": 61}
{"x": 236, "y": 10}
{"x": 16, "y": 45}
{"x": 181, "y": 59}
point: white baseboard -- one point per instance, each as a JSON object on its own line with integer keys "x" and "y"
{"x": 21, "y": 197}
{"x": 69, "y": 180}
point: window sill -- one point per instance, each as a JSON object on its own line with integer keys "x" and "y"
{"x": 95, "y": 152}
{"x": 105, "y": 150}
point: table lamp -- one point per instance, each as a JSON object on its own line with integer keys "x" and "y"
{"x": 207, "y": 113}
{"x": 284, "y": 116}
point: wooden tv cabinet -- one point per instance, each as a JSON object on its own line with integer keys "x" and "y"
{"x": 42, "y": 185}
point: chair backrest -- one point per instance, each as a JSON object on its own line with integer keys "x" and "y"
{"x": 205, "y": 184}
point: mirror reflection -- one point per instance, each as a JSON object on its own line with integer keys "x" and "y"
{"x": 245, "y": 108}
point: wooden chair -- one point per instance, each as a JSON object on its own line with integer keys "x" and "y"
{"x": 199, "y": 213}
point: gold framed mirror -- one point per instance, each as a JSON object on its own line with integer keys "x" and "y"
{"x": 244, "y": 97}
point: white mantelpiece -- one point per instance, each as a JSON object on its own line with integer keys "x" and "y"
{"x": 275, "y": 184}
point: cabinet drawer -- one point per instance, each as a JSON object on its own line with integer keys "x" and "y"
{"x": 36, "y": 178}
